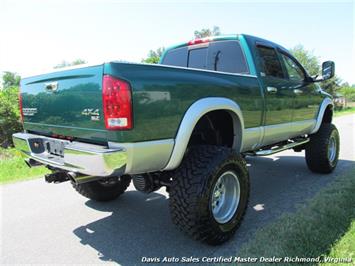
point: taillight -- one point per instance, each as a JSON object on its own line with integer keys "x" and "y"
{"x": 20, "y": 104}
{"x": 117, "y": 103}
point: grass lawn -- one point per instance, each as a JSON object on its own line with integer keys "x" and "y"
{"x": 13, "y": 168}
{"x": 323, "y": 227}
{"x": 345, "y": 247}
{"x": 350, "y": 110}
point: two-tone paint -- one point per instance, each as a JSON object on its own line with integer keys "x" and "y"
{"x": 168, "y": 102}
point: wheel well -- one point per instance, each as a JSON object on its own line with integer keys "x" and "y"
{"x": 328, "y": 115}
{"x": 214, "y": 128}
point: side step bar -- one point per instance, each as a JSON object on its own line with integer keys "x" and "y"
{"x": 278, "y": 147}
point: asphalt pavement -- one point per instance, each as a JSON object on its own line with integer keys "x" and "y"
{"x": 52, "y": 224}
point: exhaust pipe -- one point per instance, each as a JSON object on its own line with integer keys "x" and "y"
{"x": 59, "y": 176}
{"x": 62, "y": 176}
{"x": 81, "y": 179}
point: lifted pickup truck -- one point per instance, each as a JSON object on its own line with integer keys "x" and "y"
{"x": 186, "y": 123}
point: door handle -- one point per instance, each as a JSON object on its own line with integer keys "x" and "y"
{"x": 297, "y": 91}
{"x": 271, "y": 89}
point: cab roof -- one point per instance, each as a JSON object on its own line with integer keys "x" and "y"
{"x": 205, "y": 39}
{"x": 224, "y": 37}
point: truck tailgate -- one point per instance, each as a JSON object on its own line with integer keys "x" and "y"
{"x": 67, "y": 102}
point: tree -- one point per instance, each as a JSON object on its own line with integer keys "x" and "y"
{"x": 312, "y": 65}
{"x": 9, "y": 108}
{"x": 154, "y": 56}
{"x": 331, "y": 85}
{"x": 348, "y": 92}
{"x": 10, "y": 79}
{"x": 64, "y": 63}
{"x": 207, "y": 32}
{"x": 307, "y": 59}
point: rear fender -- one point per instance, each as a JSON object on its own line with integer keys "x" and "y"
{"x": 193, "y": 115}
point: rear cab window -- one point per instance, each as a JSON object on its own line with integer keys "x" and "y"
{"x": 221, "y": 56}
{"x": 176, "y": 57}
{"x": 197, "y": 58}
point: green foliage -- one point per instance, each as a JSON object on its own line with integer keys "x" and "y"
{"x": 344, "y": 111}
{"x": 7, "y": 154}
{"x": 307, "y": 59}
{"x": 10, "y": 79}
{"x": 312, "y": 65}
{"x": 154, "y": 56}
{"x": 348, "y": 92}
{"x": 331, "y": 85}
{"x": 215, "y": 31}
{"x": 13, "y": 167}
{"x": 314, "y": 228}
{"x": 9, "y": 115}
{"x": 345, "y": 247}
{"x": 73, "y": 63}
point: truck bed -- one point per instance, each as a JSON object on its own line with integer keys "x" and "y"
{"x": 160, "y": 96}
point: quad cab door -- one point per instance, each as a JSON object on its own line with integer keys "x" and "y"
{"x": 306, "y": 95}
{"x": 278, "y": 95}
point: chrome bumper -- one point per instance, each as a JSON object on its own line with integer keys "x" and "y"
{"x": 95, "y": 160}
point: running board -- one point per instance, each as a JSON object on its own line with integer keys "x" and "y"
{"x": 277, "y": 148}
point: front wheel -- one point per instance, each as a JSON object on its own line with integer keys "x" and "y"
{"x": 322, "y": 151}
{"x": 104, "y": 190}
{"x": 209, "y": 193}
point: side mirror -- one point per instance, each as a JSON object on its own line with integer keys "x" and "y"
{"x": 328, "y": 69}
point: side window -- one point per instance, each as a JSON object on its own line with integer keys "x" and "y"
{"x": 176, "y": 57}
{"x": 197, "y": 58}
{"x": 227, "y": 56}
{"x": 293, "y": 70}
{"x": 270, "y": 63}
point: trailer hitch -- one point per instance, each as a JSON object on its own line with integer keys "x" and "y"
{"x": 57, "y": 177}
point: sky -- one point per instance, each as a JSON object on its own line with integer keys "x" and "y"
{"x": 37, "y": 35}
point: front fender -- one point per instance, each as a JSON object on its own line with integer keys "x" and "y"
{"x": 325, "y": 103}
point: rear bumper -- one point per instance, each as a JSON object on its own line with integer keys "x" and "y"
{"x": 96, "y": 160}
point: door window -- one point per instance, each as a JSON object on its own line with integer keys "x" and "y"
{"x": 293, "y": 70}
{"x": 270, "y": 63}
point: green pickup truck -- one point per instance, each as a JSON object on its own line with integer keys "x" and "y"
{"x": 186, "y": 124}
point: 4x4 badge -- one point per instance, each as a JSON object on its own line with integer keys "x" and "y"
{"x": 94, "y": 113}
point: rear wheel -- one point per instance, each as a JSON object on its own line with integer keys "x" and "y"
{"x": 322, "y": 151}
{"x": 105, "y": 190}
{"x": 209, "y": 193}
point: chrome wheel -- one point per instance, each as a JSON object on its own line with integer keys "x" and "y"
{"x": 225, "y": 197}
{"x": 332, "y": 149}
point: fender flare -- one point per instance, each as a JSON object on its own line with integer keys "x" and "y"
{"x": 325, "y": 103}
{"x": 193, "y": 115}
